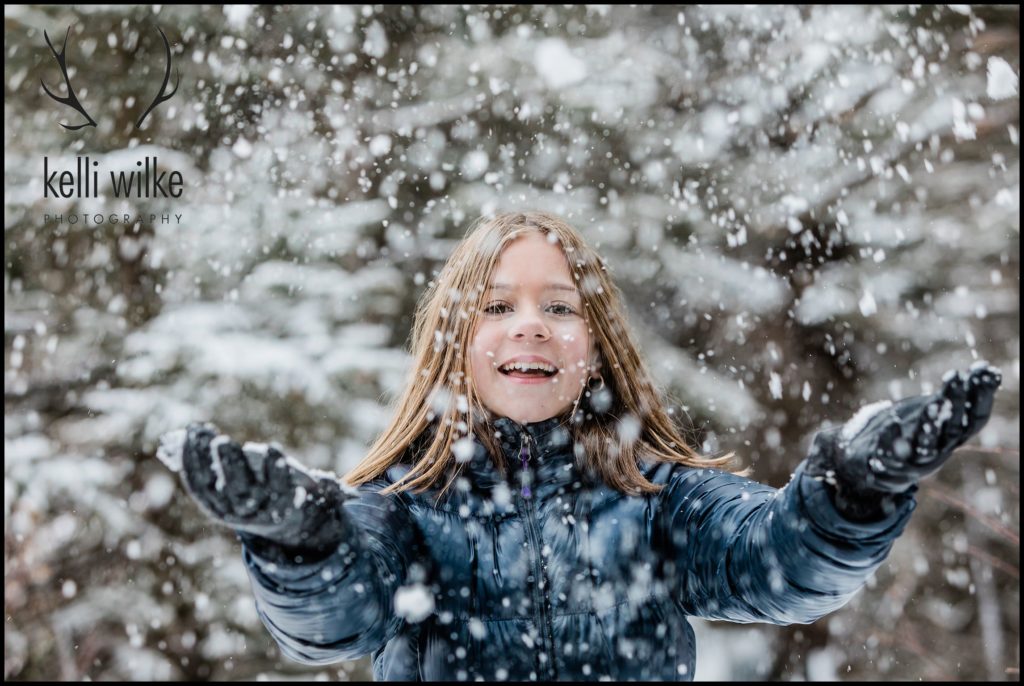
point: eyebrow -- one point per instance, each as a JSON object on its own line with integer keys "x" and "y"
{"x": 547, "y": 286}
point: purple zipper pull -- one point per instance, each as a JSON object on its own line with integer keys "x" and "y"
{"x": 524, "y": 456}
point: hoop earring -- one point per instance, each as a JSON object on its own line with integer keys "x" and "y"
{"x": 591, "y": 388}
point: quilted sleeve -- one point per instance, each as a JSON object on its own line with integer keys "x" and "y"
{"x": 742, "y": 551}
{"x": 340, "y": 607}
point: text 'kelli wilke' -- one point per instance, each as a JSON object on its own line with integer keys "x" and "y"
{"x": 84, "y": 181}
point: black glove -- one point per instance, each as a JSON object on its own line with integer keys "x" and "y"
{"x": 884, "y": 450}
{"x": 261, "y": 493}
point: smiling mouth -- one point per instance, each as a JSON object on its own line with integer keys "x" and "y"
{"x": 534, "y": 374}
{"x": 527, "y": 374}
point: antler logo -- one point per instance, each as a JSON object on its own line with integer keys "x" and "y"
{"x": 72, "y": 100}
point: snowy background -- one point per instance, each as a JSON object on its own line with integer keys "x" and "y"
{"x": 808, "y": 209}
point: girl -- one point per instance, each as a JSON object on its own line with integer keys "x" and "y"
{"x": 532, "y": 513}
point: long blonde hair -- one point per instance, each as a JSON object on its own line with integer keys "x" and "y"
{"x": 440, "y": 387}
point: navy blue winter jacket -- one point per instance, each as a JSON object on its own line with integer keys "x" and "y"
{"x": 577, "y": 581}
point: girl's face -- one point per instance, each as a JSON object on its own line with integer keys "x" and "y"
{"x": 531, "y": 313}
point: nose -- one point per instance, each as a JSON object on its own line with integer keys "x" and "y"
{"x": 528, "y": 325}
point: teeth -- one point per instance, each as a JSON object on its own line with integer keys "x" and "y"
{"x": 525, "y": 366}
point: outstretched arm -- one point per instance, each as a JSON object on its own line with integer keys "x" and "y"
{"x": 745, "y": 552}
{"x": 341, "y": 607}
{"x": 324, "y": 562}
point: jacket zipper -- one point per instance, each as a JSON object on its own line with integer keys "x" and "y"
{"x": 547, "y": 630}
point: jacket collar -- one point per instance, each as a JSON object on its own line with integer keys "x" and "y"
{"x": 549, "y": 466}
{"x": 545, "y": 437}
{"x": 546, "y": 445}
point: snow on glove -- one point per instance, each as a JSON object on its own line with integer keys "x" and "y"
{"x": 257, "y": 490}
{"x": 886, "y": 448}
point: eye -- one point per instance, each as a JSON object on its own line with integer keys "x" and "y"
{"x": 497, "y": 308}
{"x": 562, "y": 309}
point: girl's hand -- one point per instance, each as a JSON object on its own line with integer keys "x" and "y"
{"x": 258, "y": 490}
{"x": 886, "y": 448}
